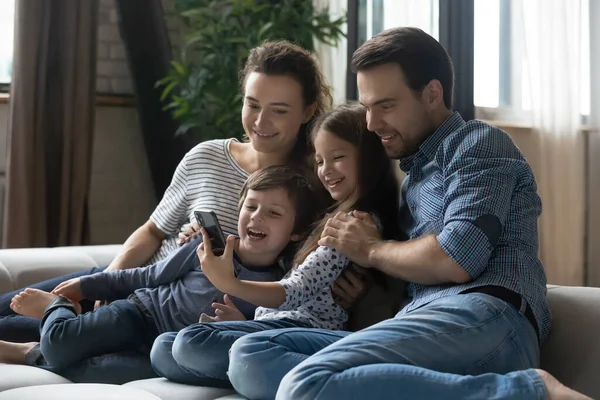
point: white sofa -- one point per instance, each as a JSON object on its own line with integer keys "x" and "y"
{"x": 572, "y": 353}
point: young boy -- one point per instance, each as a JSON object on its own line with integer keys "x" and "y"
{"x": 276, "y": 209}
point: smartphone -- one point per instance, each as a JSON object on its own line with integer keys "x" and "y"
{"x": 209, "y": 221}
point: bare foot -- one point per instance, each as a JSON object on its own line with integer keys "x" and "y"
{"x": 33, "y": 303}
{"x": 14, "y": 353}
{"x": 558, "y": 391}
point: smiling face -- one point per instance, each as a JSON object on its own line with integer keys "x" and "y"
{"x": 273, "y": 112}
{"x": 265, "y": 225}
{"x": 399, "y": 115}
{"x": 337, "y": 164}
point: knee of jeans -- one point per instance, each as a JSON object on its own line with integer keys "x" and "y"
{"x": 248, "y": 372}
{"x": 56, "y": 351}
{"x": 303, "y": 382}
{"x": 191, "y": 344}
{"x": 160, "y": 354}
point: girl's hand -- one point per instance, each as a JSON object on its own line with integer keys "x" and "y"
{"x": 190, "y": 232}
{"x": 218, "y": 269}
{"x": 70, "y": 289}
{"x": 351, "y": 286}
{"x": 227, "y": 311}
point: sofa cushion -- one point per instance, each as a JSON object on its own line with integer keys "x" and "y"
{"x": 167, "y": 390}
{"x": 572, "y": 351}
{"x": 22, "y": 267}
{"x": 77, "y": 391}
{"x": 15, "y": 376}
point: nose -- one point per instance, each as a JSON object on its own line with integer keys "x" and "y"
{"x": 262, "y": 120}
{"x": 256, "y": 215}
{"x": 374, "y": 121}
{"x": 325, "y": 168}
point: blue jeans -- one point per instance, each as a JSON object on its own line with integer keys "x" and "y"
{"x": 69, "y": 340}
{"x": 198, "y": 354}
{"x": 19, "y": 328}
{"x": 458, "y": 347}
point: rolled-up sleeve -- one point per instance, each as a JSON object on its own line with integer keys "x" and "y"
{"x": 480, "y": 179}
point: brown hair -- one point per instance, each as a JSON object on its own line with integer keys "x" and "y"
{"x": 287, "y": 59}
{"x": 421, "y": 58}
{"x": 304, "y": 191}
{"x": 377, "y": 188}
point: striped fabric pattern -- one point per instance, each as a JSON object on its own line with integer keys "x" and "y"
{"x": 207, "y": 178}
{"x": 465, "y": 178}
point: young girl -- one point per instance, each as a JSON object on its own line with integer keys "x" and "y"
{"x": 352, "y": 165}
{"x": 278, "y": 205}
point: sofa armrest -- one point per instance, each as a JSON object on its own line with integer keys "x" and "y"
{"x": 22, "y": 267}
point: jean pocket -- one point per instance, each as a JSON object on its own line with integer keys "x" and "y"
{"x": 505, "y": 358}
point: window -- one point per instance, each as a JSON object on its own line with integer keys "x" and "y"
{"x": 7, "y": 16}
{"x": 378, "y": 15}
{"x": 501, "y": 87}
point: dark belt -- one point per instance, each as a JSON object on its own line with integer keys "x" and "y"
{"x": 512, "y": 298}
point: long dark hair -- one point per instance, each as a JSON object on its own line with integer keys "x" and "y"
{"x": 377, "y": 189}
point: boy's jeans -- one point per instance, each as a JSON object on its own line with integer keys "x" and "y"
{"x": 199, "y": 354}
{"x": 69, "y": 340}
{"x": 457, "y": 347}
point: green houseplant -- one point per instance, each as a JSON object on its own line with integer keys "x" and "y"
{"x": 201, "y": 90}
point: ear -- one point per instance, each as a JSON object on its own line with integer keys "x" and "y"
{"x": 296, "y": 237}
{"x": 309, "y": 112}
{"x": 434, "y": 94}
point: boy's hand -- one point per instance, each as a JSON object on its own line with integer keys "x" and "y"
{"x": 218, "y": 269}
{"x": 70, "y": 289}
{"x": 190, "y": 232}
{"x": 227, "y": 311}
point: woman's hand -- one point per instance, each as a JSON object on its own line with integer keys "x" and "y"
{"x": 191, "y": 232}
{"x": 350, "y": 287}
{"x": 70, "y": 289}
{"x": 218, "y": 269}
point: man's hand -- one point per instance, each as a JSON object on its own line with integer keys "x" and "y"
{"x": 70, "y": 289}
{"x": 218, "y": 269}
{"x": 352, "y": 235}
{"x": 227, "y": 311}
{"x": 350, "y": 287}
{"x": 191, "y": 232}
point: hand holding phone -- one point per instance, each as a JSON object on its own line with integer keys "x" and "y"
{"x": 209, "y": 221}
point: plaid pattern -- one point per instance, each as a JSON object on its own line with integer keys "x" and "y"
{"x": 471, "y": 186}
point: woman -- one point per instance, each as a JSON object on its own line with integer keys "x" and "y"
{"x": 283, "y": 91}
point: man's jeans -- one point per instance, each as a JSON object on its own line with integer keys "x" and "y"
{"x": 198, "y": 354}
{"x": 19, "y": 328}
{"x": 458, "y": 347}
{"x": 68, "y": 340}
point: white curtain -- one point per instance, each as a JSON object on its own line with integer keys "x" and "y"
{"x": 333, "y": 60}
{"x": 552, "y": 51}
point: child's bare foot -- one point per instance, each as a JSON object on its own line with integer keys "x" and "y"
{"x": 14, "y": 353}
{"x": 558, "y": 391}
{"x": 33, "y": 303}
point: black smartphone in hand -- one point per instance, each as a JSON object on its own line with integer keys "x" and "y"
{"x": 209, "y": 221}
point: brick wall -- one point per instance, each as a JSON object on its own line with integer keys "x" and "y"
{"x": 112, "y": 76}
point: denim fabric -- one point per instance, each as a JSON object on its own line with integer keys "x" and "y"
{"x": 19, "y": 328}
{"x": 456, "y": 347}
{"x": 198, "y": 354}
{"x": 68, "y": 339}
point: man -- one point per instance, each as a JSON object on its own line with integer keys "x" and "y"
{"x": 470, "y": 207}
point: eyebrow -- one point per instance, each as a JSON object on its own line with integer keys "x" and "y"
{"x": 381, "y": 101}
{"x": 271, "y": 104}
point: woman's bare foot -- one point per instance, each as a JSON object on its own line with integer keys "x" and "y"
{"x": 33, "y": 303}
{"x": 14, "y": 353}
{"x": 558, "y": 391}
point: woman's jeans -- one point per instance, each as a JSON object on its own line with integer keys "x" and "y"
{"x": 19, "y": 328}
{"x": 71, "y": 341}
{"x": 458, "y": 347}
{"x": 199, "y": 354}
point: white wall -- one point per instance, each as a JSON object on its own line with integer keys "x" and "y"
{"x": 121, "y": 193}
